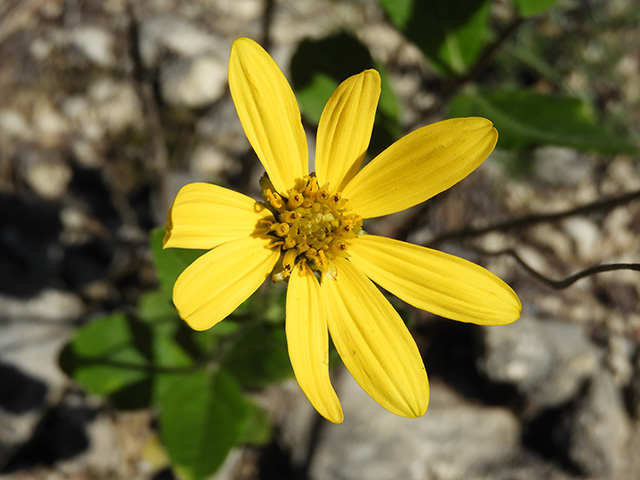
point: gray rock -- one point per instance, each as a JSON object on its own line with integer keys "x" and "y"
{"x": 619, "y": 360}
{"x": 596, "y": 429}
{"x": 633, "y": 390}
{"x": 454, "y": 440}
{"x": 35, "y": 330}
{"x": 108, "y": 108}
{"x": 115, "y": 104}
{"x": 526, "y": 466}
{"x": 173, "y": 35}
{"x": 221, "y": 126}
{"x": 560, "y": 166}
{"x": 586, "y": 236}
{"x": 211, "y": 163}
{"x": 51, "y": 127}
{"x": 21, "y": 407}
{"x": 32, "y": 332}
{"x": 95, "y": 43}
{"x": 193, "y": 83}
{"x": 14, "y": 125}
{"x": 45, "y": 172}
{"x": 546, "y": 361}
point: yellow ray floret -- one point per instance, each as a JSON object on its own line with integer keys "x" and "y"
{"x": 308, "y": 231}
{"x": 435, "y": 281}
{"x": 308, "y": 342}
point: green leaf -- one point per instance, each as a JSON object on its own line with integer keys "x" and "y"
{"x": 259, "y": 357}
{"x": 170, "y": 262}
{"x": 451, "y": 34}
{"x": 168, "y": 353}
{"x": 319, "y": 66}
{"x": 315, "y": 94}
{"x": 535, "y": 60}
{"x": 156, "y": 310}
{"x": 155, "y": 305}
{"x": 526, "y": 119}
{"x": 398, "y": 11}
{"x": 529, "y": 8}
{"x": 206, "y": 341}
{"x": 271, "y": 304}
{"x": 124, "y": 359}
{"x": 202, "y": 417}
{"x": 103, "y": 358}
{"x": 257, "y": 429}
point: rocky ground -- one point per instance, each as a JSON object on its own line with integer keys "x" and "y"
{"x": 106, "y": 110}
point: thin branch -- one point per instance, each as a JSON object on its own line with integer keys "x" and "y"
{"x": 267, "y": 22}
{"x": 528, "y": 220}
{"x": 146, "y": 367}
{"x": 571, "y": 279}
{"x": 489, "y": 51}
{"x": 158, "y": 160}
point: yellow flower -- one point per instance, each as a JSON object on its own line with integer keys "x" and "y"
{"x": 308, "y": 230}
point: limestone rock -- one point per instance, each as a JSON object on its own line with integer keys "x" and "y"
{"x": 546, "y": 361}
{"x": 596, "y": 430}
{"x": 175, "y": 36}
{"x": 96, "y": 44}
{"x": 194, "y": 82}
{"x": 454, "y": 440}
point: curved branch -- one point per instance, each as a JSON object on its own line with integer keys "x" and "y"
{"x": 604, "y": 204}
{"x": 571, "y": 279}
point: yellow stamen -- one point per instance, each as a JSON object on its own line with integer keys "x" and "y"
{"x": 312, "y": 227}
{"x": 295, "y": 199}
{"x": 289, "y": 261}
{"x": 323, "y": 194}
{"x": 290, "y": 216}
{"x": 280, "y": 229}
{"x": 275, "y": 200}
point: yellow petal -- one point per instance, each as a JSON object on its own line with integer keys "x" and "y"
{"x": 216, "y": 283}
{"x": 308, "y": 343}
{"x": 420, "y": 165}
{"x": 435, "y": 281}
{"x": 345, "y": 129}
{"x": 269, "y": 113}
{"x": 374, "y": 343}
{"x": 205, "y": 216}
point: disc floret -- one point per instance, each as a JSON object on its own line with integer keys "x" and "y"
{"x": 312, "y": 225}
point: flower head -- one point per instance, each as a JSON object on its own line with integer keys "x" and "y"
{"x": 308, "y": 231}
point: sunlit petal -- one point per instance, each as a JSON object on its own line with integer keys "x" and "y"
{"x": 374, "y": 343}
{"x": 269, "y": 113}
{"x": 435, "y": 281}
{"x": 420, "y": 165}
{"x": 345, "y": 129}
{"x": 216, "y": 283}
{"x": 308, "y": 342}
{"x": 205, "y": 216}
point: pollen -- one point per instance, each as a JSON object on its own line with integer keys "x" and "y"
{"x": 313, "y": 226}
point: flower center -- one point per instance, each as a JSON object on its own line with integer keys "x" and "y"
{"x": 312, "y": 226}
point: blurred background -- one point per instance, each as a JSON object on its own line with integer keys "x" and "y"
{"x": 108, "y": 107}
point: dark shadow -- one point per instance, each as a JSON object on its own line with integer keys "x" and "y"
{"x": 134, "y": 396}
{"x": 60, "y": 435}
{"x": 87, "y": 262}
{"x": 20, "y": 393}
{"x": 338, "y": 56}
{"x": 275, "y": 464}
{"x": 164, "y": 474}
{"x": 450, "y": 353}
{"x": 30, "y": 256}
{"x": 546, "y": 436}
{"x": 431, "y": 23}
{"x": 90, "y": 190}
